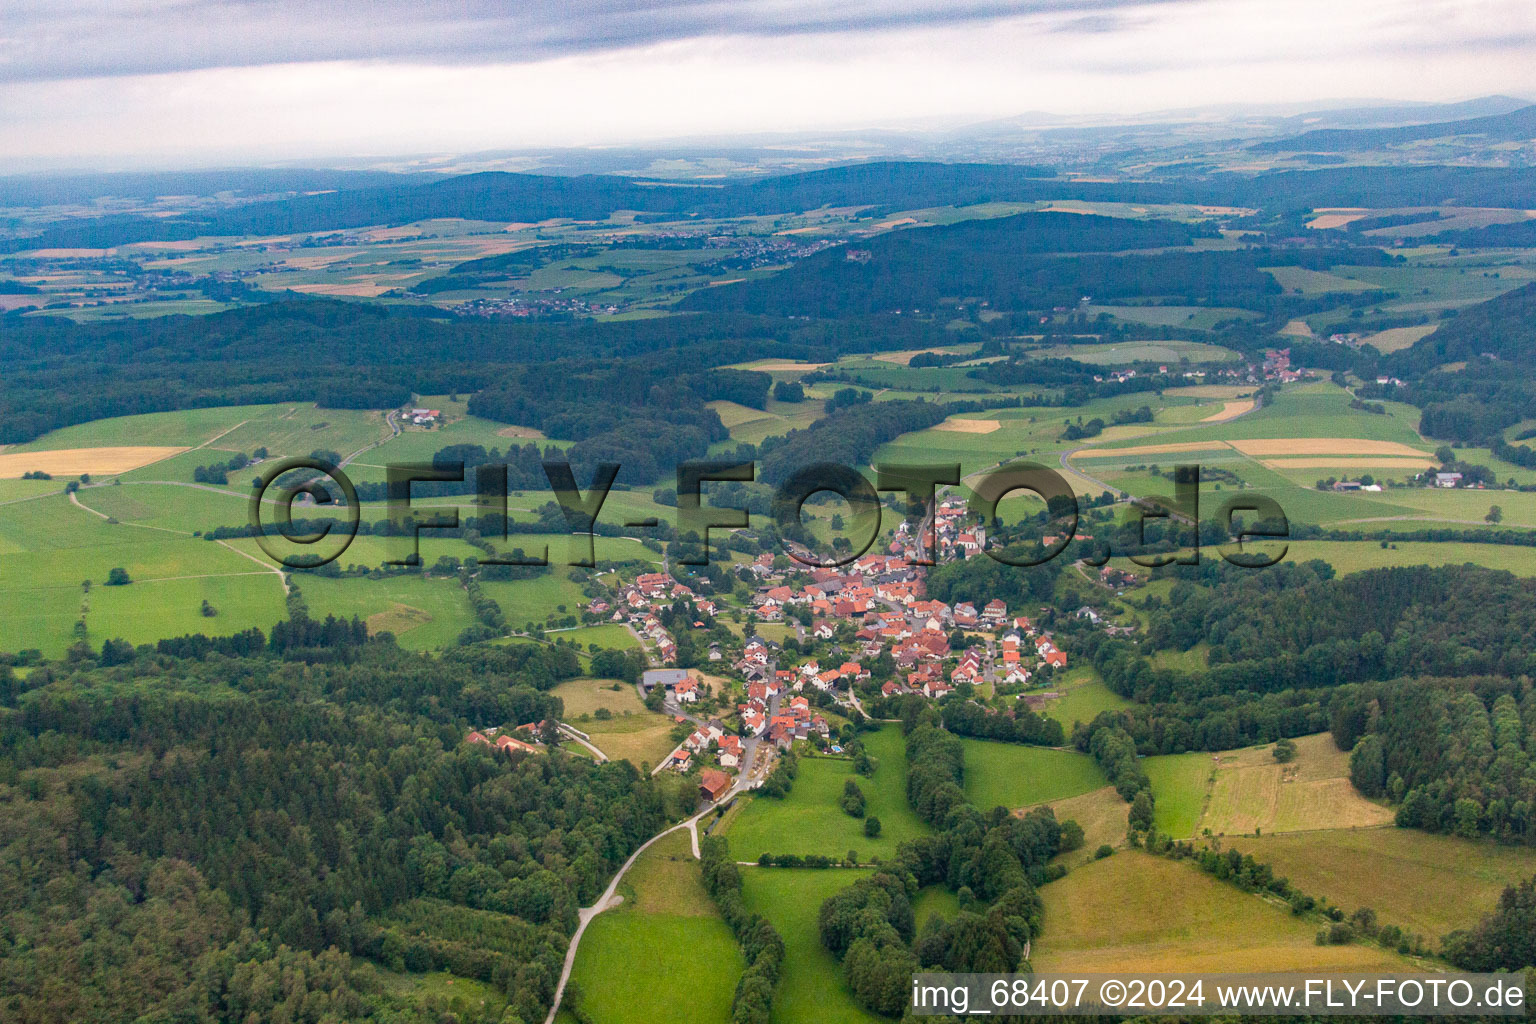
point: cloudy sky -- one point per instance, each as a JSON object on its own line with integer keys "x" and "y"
{"x": 134, "y": 82}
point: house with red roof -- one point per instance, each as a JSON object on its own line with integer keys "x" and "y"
{"x": 714, "y": 784}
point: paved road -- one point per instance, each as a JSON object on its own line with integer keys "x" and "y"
{"x": 570, "y": 734}
{"x": 394, "y": 427}
{"x": 608, "y": 899}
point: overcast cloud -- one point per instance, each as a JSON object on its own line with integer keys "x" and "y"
{"x": 162, "y": 80}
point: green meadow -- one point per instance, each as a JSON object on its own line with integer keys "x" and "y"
{"x": 1013, "y": 775}
{"x": 1180, "y": 785}
{"x": 810, "y": 820}
{"x": 663, "y": 954}
{"x": 811, "y": 988}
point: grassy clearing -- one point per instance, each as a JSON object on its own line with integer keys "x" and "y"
{"x": 463, "y": 996}
{"x": 810, "y": 819}
{"x": 1313, "y": 282}
{"x": 634, "y": 733}
{"x": 1430, "y": 884}
{"x": 1180, "y": 786}
{"x": 934, "y": 900}
{"x": 1103, "y": 816}
{"x": 1013, "y": 775}
{"x": 1085, "y": 701}
{"x": 1357, "y": 556}
{"x": 1396, "y": 338}
{"x": 1247, "y": 790}
{"x": 142, "y": 612}
{"x": 812, "y": 989}
{"x": 611, "y": 635}
{"x": 1136, "y": 912}
{"x": 664, "y": 953}
{"x": 583, "y": 697}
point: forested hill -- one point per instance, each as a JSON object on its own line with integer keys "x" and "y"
{"x": 901, "y": 185}
{"x": 1515, "y": 125}
{"x": 1014, "y": 264}
{"x": 351, "y": 355}
{"x": 1494, "y": 390}
{"x": 1503, "y": 327}
{"x": 236, "y": 838}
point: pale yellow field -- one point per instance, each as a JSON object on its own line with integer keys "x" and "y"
{"x": 66, "y": 254}
{"x": 360, "y": 289}
{"x": 398, "y": 619}
{"x": 959, "y": 426}
{"x": 1101, "y": 813}
{"x": 1230, "y": 410}
{"x": 1323, "y": 446}
{"x": 1134, "y": 912}
{"x": 906, "y": 357}
{"x": 1253, "y": 791}
{"x": 783, "y": 367}
{"x": 1225, "y": 392}
{"x": 523, "y": 432}
{"x": 67, "y": 462}
{"x": 1396, "y": 338}
{"x": 1345, "y": 462}
{"x": 1297, "y": 329}
{"x": 1430, "y": 884}
{"x": 1329, "y": 221}
{"x": 733, "y": 414}
{"x": 1151, "y": 449}
{"x": 316, "y": 262}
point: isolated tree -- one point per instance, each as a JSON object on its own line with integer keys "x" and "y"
{"x": 1285, "y": 751}
{"x": 118, "y": 577}
{"x": 1495, "y": 514}
{"x": 871, "y": 826}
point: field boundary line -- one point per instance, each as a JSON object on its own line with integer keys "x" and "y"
{"x": 281, "y": 576}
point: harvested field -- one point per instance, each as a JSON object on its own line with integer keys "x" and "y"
{"x": 1350, "y": 462}
{"x": 1297, "y": 329}
{"x": 1253, "y": 791}
{"x": 1152, "y": 449}
{"x": 786, "y": 367}
{"x": 522, "y": 432}
{"x": 398, "y": 619}
{"x": 1324, "y": 446}
{"x": 66, "y": 462}
{"x": 959, "y": 426}
{"x": 1430, "y": 884}
{"x": 1230, "y": 410}
{"x": 1136, "y": 912}
{"x": 1226, "y": 392}
{"x": 906, "y": 357}
{"x": 1397, "y": 338}
{"x": 1336, "y": 219}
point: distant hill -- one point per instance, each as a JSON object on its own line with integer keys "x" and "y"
{"x": 1503, "y": 327}
{"x": 64, "y": 189}
{"x": 1392, "y": 115}
{"x": 1514, "y": 126}
{"x": 886, "y": 186}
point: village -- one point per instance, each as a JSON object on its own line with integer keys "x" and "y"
{"x": 863, "y": 631}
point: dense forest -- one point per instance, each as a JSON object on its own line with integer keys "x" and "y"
{"x": 1004, "y": 266}
{"x": 355, "y": 356}
{"x": 216, "y": 837}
